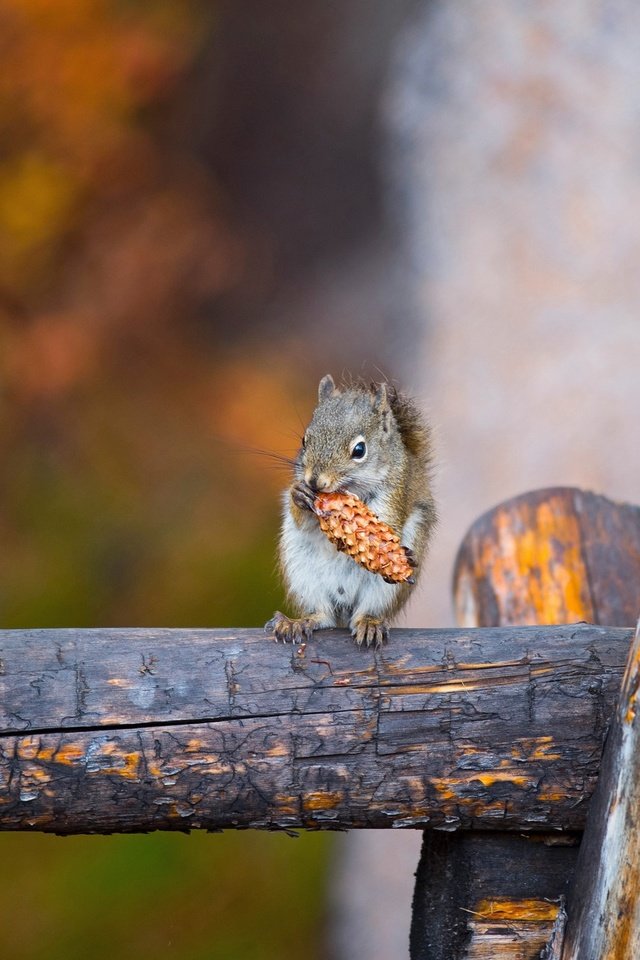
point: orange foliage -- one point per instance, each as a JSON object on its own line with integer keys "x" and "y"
{"x": 74, "y": 78}
{"x": 115, "y": 247}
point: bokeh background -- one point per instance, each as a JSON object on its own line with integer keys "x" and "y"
{"x": 203, "y": 208}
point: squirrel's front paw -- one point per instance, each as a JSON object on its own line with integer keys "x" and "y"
{"x": 303, "y": 496}
{"x": 411, "y": 557}
{"x": 286, "y": 630}
{"x": 371, "y": 631}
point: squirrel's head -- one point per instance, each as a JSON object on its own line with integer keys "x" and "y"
{"x": 353, "y": 441}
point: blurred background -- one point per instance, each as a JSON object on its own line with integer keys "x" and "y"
{"x": 203, "y": 208}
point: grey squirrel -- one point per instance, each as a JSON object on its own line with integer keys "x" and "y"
{"x": 374, "y": 442}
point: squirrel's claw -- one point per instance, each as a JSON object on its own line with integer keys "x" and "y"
{"x": 303, "y": 496}
{"x": 411, "y": 557}
{"x": 285, "y": 630}
{"x": 370, "y": 631}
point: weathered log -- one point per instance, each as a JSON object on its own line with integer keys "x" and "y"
{"x": 604, "y": 906}
{"x": 550, "y": 556}
{"x": 134, "y": 730}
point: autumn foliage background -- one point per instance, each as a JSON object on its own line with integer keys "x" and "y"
{"x": 204, "y": 206}
{"x": 134, "y": 371}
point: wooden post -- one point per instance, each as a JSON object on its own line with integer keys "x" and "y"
{"x": 604, "y": 907}
{"x": 487, "y": 895}
{"x": 550, "y": 556}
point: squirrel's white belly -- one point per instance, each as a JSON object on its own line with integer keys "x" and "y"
{"x": 324, "y": 581}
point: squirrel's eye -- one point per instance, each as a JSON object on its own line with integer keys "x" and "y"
{"x": 359, "y": 450}
{"x": 304, "y": 440}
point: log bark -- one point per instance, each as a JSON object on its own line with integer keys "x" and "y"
{"x": 135, "y": 730}
{"x": 550, "y": 556}
{"x": 604, "y": 907}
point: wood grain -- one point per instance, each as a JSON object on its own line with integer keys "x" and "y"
{"x": 488, "y": 895}
{"x": 551, "y": 556}
{"x": 135, "y": 730}
{"x": 604, "y": 907}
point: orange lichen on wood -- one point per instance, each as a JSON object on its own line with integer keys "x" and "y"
{"x": 28, "y": 748}
{"x": 509, "y": 929}
{"x": 321, "y": 800}
{"x": 287, "y": 805}
{"x": 68, "y": 753}
{"x": 37, "y": 773}
{"x": 507, "y": 909}
{"x": 354, "y": 529}
{"x": 535, "y": 748}
{"x": 548, "y": 557}
{"x": 504, "y": 928}
{"x": 501, "y": 776}
{"x": 631, "y": 684}
{"x": 128, "y": 768}
{"x": 553, "y": 796}
{"x": 530, "y": 551}
{"x": 455, "y": 787}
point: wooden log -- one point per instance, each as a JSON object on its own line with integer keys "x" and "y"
{"x": 488, "y": 895}
{"x": 604, "y": 906}
{"x": 134, "y": 730}
{"x": 550, "y": 556}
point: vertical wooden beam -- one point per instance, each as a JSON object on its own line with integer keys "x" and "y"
{"x": 604, "y": 910}
{"x": 549, "y": 556}
{"x": 487, "y": 895}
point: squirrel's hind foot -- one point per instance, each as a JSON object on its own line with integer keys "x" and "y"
{"x": 369, "y": 631}
{"x": 286, "y": 630}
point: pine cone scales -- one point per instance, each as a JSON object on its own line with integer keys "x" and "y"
{"x": 354, "y": 529}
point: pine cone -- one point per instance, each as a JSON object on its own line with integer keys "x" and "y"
{"x": 354, "y": 529}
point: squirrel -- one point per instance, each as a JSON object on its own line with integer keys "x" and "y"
{"x": 373, "y": 442}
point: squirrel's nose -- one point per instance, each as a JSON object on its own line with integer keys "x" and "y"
{"x": 318, "y": 482}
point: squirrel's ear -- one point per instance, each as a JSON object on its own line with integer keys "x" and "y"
{"x": 327, "y": 388}
{"x": 382, "y": 405}
{"x": 381, "y": 399}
